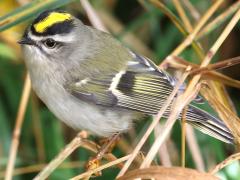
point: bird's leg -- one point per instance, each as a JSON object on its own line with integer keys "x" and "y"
{"x": 107, "y": 147}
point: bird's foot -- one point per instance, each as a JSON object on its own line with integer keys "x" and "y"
{"x": 107, "y": 146}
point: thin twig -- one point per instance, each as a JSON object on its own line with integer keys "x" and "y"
{"x": 107, "y": 165}
{"x": 180, "y": 102}
{"x": 18, "y": 127}
{"x": 213, "y": 51}
{"x": 170, "y": 15}
{"x": 218, "y": 20}
{"x": 216, "y": 66}
{"x": 78, "y": 141}
{"x": 182, "y": 15}
{"x": 152, "y": 125}
{"x": 92, "y": 15}
{"x": 194, "y": 148}
{"x": 193, "y": 11}
{"x": 197, "y": 48}
{"x": 179, "y": 63}
{"x": 221, "y": 78}
{"x": 198, "y": 27}
{"x": 178, "y": 24}
{"x": 183, "y": 145}
{"x": 74, "y": 144}
{"x": 163, "y": 150}
{"x": 39, "y": 167}
{"x": 221, "y": 38}
{"x": 38, "y": 133}
{"x": 224, "y": 163}
{"x": 228, "y": 116}
{"x": 207, "y": 59}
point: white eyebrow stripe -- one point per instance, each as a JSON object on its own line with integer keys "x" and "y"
{"x": 61, "y": 38}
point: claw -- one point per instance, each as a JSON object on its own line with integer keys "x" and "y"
{"x": 93, "y": 164}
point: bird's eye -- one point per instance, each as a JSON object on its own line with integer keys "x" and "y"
{"x": 50, "y": 43}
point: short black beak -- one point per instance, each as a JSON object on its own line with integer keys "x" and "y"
{"x": 26, "y": 40}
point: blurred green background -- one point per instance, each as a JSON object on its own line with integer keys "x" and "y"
{"x": 143, "y": 28}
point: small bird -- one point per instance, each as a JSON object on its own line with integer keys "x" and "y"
{"x": 90, "y": 81}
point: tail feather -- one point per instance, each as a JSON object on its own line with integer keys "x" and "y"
{"x": 208, "y": 124}
{"x": 227, "y": 138}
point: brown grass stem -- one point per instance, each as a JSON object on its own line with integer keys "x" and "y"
{"x": 218, "y": 20}
{"x": 104, "y": 166}
{"x": 39, "y": 167}
{"x": 228, "y": 116}
{"x": 194, "y": 148}
{"x": 37, "y": 129}
{"x": 178, "y": 24}
{"x": 224, "y": 163}
{"x": 221, "y": 38}
{"x": 179, "y": 63}
{"x": 179, "y": 104}
{"x": 189, "y": 39}
{"x": 182, "y": 15}
{"x": 78, "y": 141}
{"x": 221, "y": 78}
{"x": 93, "y": 16}
{"x": 183, "y": 137}
{"x": 18, "y": 127}
{"x": 193, "y": 11}
{"x": 170, "y": 15}
{"x": 68, "y": 149}
{"x": 216, "y": 66}
{"x": 152, "y": 125}
{"x": 213, "y": 51}
{"x": 163, "y": 152}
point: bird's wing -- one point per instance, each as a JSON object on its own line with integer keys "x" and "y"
{"x": 141, "y": 87}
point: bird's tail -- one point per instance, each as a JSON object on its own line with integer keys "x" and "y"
{"x": 208, "y": 124}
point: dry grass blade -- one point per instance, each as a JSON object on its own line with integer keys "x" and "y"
{"x": 169, "y": 14}
{"x": 212, "y": 52}
{"x": 182, "y": 14}
{"x": 198, "y": 27}
{"x": 77, "y": 142}
{"x": 224, "y": 163}
{"x": 221, "y": 38}
{"x": 229, "y": 118}
{"x": 179, "y": 104}
{"x": 193, "y": 11}
{"x": 219, "y": 65}
{"x": 18, "y": 127}
{"x": 152, "y": 125}
{"x": 92, "y": 15}
{"x": 179, "y": 63}
{"x": 163, "y": 152}
{"x": 179, "y": 25}
{"x": 183, "y": 138}
{"x": 221, "y": 78}
{"x": 38, "y": 133}
{"x": 107, "y": 165}
{"x": 194, "y": 148}
{"x": 218, "y": 20}
{"x": 39, "y": 167}
{"x": 156, "y": 172}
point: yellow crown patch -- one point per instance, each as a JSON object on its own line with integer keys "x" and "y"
{"x": 51, "y": 19}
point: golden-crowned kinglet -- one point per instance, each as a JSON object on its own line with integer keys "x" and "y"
{"x": 91, "y": 81}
